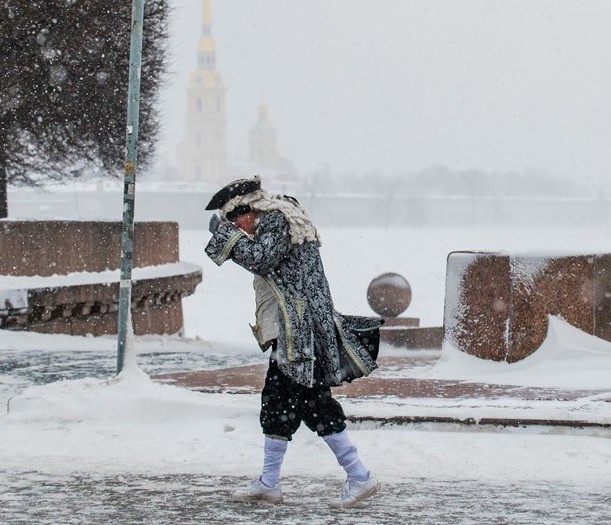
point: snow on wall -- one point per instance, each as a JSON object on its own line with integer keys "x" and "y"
{"x": 457, "y": 265}
{"x": 13, "y": 299}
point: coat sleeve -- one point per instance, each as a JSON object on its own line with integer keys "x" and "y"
{"x": 259, "y": 254}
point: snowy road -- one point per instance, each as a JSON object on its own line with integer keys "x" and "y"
{"x": 30, "y": 497}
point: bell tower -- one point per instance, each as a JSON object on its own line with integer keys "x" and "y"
{"x": 202, "y": 150}
{"x": 263, "y": 149}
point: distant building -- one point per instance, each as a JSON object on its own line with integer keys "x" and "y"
{"x": 278, "y": 173}
{"x": 263, "y": 149}
{"x": 201, "y": 154}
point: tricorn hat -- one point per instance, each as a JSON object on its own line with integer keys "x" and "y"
{"x": 233, "y": 189}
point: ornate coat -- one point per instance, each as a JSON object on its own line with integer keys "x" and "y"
{"x": 315, "y": 343}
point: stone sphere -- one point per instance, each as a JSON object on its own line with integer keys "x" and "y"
{"x": 389, "y": 294}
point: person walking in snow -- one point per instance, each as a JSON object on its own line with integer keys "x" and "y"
{"x": 313, "y": 347}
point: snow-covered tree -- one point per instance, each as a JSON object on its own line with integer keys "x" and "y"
{"x": 63, "y": 87}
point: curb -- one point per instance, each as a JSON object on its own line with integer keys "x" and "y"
{"x": 484, "y": 421}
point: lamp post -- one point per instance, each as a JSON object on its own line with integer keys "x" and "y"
{"x": 129, "y": 185}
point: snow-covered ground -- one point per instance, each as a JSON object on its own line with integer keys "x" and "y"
{"x": 70, "y": 419}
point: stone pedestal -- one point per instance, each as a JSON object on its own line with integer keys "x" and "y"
{"x": 389, "y": 295}
{"x": 497, "y": 305}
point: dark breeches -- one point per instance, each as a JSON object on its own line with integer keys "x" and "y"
{"x": 285, "y": 404}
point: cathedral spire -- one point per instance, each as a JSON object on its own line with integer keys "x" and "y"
{"x": 207, "y": 18}
{"x": 206, "y": 48}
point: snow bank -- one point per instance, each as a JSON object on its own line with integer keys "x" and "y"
{"x": 567, "y": 358}
{"x": 124, "y": 423}
{"x": 132, "y": 424}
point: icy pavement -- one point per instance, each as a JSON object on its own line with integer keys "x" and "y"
{"x": 30, "y": 497}
{"x": 20, "y": 369}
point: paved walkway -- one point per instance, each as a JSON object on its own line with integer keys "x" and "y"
{"x": 249, "y": 379}
{"x": 392, "y": 381}
{"x": 185, "y": 499}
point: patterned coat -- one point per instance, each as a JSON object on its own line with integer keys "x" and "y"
{"x": 310, "y": 330}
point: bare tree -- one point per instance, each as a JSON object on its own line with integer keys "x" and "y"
{"x": 63, "y": 87}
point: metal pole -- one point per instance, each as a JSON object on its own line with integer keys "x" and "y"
{"x": 129, "y": 185}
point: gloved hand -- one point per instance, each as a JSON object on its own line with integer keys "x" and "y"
{"x": 215, "y": 222}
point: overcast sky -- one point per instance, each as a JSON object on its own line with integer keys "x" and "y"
{"x": 404, "y": 84}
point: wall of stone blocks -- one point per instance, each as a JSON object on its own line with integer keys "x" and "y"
{"x": 497, "y": 305}
{"x": 59, "y": 247}
{"x": 163, "y": 319}
{"x": 45, "y": 248}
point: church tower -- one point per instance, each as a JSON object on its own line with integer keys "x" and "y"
{"x": 263, "y": 149}
{"x": 202, "y": 151}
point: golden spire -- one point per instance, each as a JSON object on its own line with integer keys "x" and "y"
{"x": 206, "y": 16}
{"x": 206, "y": 48}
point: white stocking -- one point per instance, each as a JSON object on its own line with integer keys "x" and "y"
{"x": 274, "y": 450}
{"x": 347, "y": 455}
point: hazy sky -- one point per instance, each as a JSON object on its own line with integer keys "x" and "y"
{"x": 404, "y": 84}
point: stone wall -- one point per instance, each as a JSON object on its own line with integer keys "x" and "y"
{"x": 497, "y": 305}
{"x": 60, "y": 247}
{"x": 53, "y": 248}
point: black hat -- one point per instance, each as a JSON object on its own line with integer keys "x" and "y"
{"x": 233, "y": 189}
